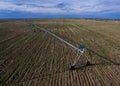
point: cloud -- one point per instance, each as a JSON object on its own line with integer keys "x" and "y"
{"x": 61, "y": 6}
{"x": 30, "y": 8}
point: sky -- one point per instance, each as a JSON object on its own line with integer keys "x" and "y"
{"x": 60, "y": 9}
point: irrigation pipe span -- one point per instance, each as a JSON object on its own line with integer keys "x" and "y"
{"x": 80, "y": 50}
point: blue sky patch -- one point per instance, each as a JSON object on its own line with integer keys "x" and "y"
{"x": 59, "y": 9}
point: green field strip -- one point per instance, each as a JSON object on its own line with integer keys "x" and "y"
{"x": 23, "y": 66}
{"x": 17, "y": 50}
{"x": 41, "y": 41}
{"x": 12, "y": 68}
{"x": 16, "y": 42}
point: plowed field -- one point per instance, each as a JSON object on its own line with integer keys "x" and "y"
{"x": 30, "y": 57}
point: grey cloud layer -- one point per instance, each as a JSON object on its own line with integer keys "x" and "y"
{"x": 61, "y": 6}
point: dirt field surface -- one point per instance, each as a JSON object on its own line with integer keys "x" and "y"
{"x": 31, "y": 57}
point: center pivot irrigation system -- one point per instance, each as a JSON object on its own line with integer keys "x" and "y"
{"x": 80, "y": 51}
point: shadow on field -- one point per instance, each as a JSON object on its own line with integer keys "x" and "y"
{"x": 103, "y": 57}
{"x": 79, "y": 67}
{"x": 105, "y": 64}
{"x": 85, "y": 65}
